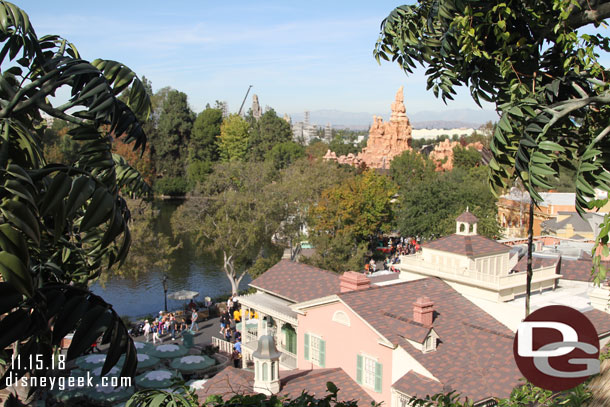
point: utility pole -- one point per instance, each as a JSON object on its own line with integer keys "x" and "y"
{"x": 242, "y": 103}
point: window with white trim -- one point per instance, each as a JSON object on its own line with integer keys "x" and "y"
{"x": 315, "y": 349}
{"x": 369, "y": 372}
{"x": 315, "y": 346}
{"x": 369, "y": 368}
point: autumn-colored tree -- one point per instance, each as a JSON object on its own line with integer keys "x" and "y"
{"x": 347, "y": 216}
{"x": 233, "y": 139}
{"x": 139, "y": 161}
{"x": 360, "y": 206}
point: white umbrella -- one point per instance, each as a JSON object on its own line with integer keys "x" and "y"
{"x": 183, "y": 295}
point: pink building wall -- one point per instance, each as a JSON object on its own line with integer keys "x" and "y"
{"x": 343, "y": 343}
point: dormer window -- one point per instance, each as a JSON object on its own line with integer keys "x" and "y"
{"x": 430, "y": 343}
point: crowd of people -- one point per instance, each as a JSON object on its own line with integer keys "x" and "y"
{"x": 393, "y": 249}
{"x": 228, "y": 327}
{"x": 169, "y": 323}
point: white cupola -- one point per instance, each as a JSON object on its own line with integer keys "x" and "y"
{"x": 266, "y": 366}
{"x": 466, "y": 224}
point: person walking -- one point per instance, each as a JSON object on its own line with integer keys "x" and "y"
{"x": 194, "y": 317}
{"x": 147, "y": 331}
{"x": 172, "y": 326}
{"x": 155, "y": 330}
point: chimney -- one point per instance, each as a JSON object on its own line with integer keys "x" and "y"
{"x": 423, "y": 311}
{"x": 352, "y": 281}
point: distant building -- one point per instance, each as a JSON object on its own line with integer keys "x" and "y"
{"x": 304, "y": 132}
{"x": 328, "y": 133}
{"x": 513, "y": 213}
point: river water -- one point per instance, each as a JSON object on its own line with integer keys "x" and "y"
{"x": 192, "y": 270}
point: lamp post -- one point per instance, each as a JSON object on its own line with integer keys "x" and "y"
{"x": 164, "y": 280}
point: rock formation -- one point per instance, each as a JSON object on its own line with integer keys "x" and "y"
{"x": 257, "y": 112}
{"x": 442, "y": 154}
{"x": 386, "y": 140}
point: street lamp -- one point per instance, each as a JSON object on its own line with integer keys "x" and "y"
{"x": 164, "y": 280}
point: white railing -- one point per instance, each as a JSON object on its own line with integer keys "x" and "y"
{"x": 416, "y": 263}
{"x": 223, "y": 346}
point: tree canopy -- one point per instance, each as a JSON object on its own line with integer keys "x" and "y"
{"x": 233, "y": 139}
{"x": 267, "y": 132}
{"x": 174, "y": 133}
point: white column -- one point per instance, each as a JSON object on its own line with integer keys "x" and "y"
{"x": 260, "y": 332}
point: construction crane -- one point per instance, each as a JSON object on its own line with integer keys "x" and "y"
{"x": 242, "y": 103}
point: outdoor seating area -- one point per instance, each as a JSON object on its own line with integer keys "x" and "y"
{"x": 159, "y": 367}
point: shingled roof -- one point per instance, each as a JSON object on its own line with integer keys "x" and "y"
{"x": 537, "y": 262}
{"x": 416, "y": 385}
{"x": 231, "y": 381}
{"x": 467, "y": 217}
{"x": 600, "y": 319}
{"x": 579, "y": 270}
{"x": 297, "y": 282}
{"x": 475, "y": 352}
{"x": 467, "y": 245}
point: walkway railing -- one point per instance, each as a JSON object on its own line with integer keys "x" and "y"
{"x": 223, "y": 346}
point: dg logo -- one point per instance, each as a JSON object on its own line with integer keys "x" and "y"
{"x": 557, "y": 348}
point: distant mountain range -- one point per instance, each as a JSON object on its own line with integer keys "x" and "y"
{"x": 447, "y": 119}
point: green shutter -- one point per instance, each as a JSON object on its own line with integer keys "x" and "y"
{"x": 322, "y": 353}
{"x": 378, "y": 371}
{"x": 359, "y": 369}
{"x": 306, "y": 350}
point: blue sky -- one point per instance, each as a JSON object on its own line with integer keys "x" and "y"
{"x": 298, "y": 56}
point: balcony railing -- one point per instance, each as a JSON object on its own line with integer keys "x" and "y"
{"x": 416, "y": 263}
{"x": 223, "y": 346}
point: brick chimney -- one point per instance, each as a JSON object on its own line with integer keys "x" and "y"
{"x": 423, "y": 311}
{"x": 352, "y": 281}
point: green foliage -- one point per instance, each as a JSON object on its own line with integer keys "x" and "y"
{"x": 284, "y": 154}
{"x": 316, "y": 150}
{"x": 150, "y": 250}
{"x": 181, "y": 396}
{"x": 267, "y": 132}
{"x": 410, "y": 168}
{"x": 347, "y": 216}
{"x": 204, "y": 136}
{"x": 466, "y": 157}
{"x": 171, "y": 186}
{"x": 430, "y": 207}
{"x": 343, "y": 142}
{"x": 62, "y": 224}
{"x": 540, "y": 68}
{"x": 360, "y": 206}
{"x": 341, "y": 252}
{"x": 197, "y": 171}
{"x": 303, "y": 400}
{"x": 233, "y": 139}
{"x": 230, "y": 216}
{"x": 530, "y": 395}
{"x": 173, "y": 134}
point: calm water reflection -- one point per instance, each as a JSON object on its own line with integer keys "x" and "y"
{"x": 192, "y": 271}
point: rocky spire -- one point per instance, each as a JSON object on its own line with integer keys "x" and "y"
{"x": 398, "y": 108}
{"x": 257, "y": 112}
